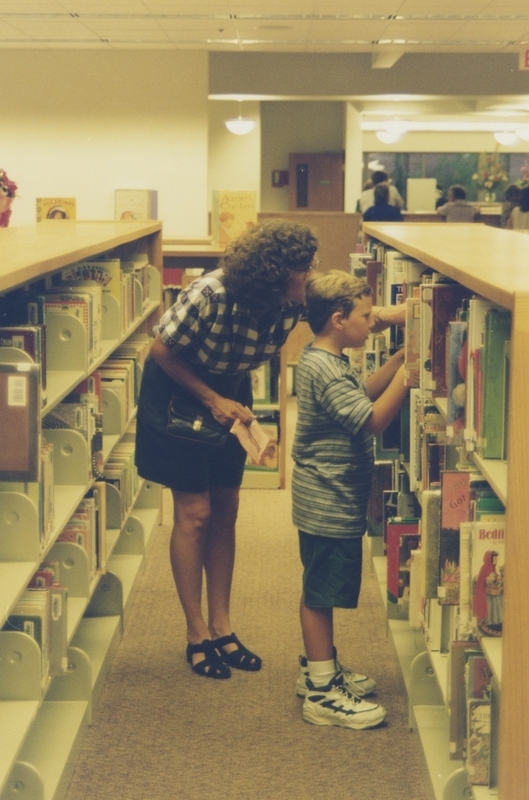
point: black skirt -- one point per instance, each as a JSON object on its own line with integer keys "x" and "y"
{"x": 182, "y": 465}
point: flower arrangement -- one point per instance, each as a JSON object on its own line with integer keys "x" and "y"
{"x": 8, "y": 191}
{"x": 490, "y": 172}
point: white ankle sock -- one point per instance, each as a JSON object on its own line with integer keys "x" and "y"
{"x": 321, "y": 672}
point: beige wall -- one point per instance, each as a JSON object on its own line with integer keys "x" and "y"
{"x": 234, "y": 161}
{"x": 81, "y": 124}
{"x": 295, "y": 127}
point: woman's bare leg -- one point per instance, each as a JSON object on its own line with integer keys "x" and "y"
{"x": 191, "y": 520}
{"x": 219, "y": 559}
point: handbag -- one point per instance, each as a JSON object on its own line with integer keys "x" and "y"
{"x": 195, "y": 423}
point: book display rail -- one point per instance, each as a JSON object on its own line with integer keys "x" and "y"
{"x": 76, "y": 523}
{"x": 452, "y": 645}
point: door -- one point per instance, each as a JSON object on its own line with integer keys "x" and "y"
{"x": 316, "y": 181}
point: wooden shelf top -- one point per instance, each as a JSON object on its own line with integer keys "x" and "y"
{"x": 29, "y": 251}
{"x": 490, "y": 261}
{"x": 199, "y": 250}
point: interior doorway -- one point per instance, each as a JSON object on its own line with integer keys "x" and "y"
{"x": 316, "y": 181}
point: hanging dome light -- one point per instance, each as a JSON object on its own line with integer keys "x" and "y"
{"x": 523, "y": 133}
{"x": 239, "y": 125}
{"x": 507, "y": 138}
{"x": 392, "y": 131}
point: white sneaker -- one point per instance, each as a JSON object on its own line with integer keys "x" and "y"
{"x": 358, "y": 685}
{"x": 335, "y": 705}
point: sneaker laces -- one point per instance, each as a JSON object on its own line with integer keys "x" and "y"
{"x": 342, "y": 689}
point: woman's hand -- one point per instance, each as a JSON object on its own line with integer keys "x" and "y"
{"x": 227, "y": 411}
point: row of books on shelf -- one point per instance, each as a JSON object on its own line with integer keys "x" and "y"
{"x": 459, "y": 530}
{"x": 457, "y": 347}
{"x": 445, "y": 574}
{"x": 104, "y": 296}
{"x": 41, "y": 610}
{"x": 443, "y": 527}
{"x": 113, "y": 388}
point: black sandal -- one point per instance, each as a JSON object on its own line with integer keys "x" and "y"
{"x": 242, "y": 658}
{"x": 212, "y": 665}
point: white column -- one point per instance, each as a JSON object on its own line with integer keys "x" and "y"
{"x": 353, "y": 157}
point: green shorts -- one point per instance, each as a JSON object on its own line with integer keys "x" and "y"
{"x": 332, "y": 572}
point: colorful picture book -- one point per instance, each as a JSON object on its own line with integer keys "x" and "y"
{"x": 56, "y": 208}
{"x": 232, "y": 213}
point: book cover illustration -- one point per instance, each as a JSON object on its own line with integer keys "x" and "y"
{"x": 412, "y": 341}
{"x": 135, "y": 204}
{"x": 456, "y": 373}
{"x": 478, "y": 308}
{"x": 402, "y": 537}
{"x": 455, "y": 507}
{"x": 232, "y": 214}
{"x": 56, "y": 208}
{"x": 430, "y": 539}
{"x": 488, "y": 562}
{"x": 460, "y": 652}
{"x": 447, "y": 300}
{"x": 31, "y": 339}
{"x": 478, "y": 741}
{"x": 497, "y": 333}
{"x": 375, "y": 278}
{"x": 20, "y": 432}
{"x": 255, "y": 439}
{"x": 382, "y": 482}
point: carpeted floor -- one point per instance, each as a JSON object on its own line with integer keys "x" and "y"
{"x": 162, "y": 733}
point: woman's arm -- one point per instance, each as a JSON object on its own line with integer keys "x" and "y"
{"x": 224, "y": 410}
{"x": 384, "y": 316}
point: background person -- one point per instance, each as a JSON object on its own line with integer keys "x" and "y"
{"x": 367, "y": 198}
{"x": 457, "y": 209}
{"x": 382, "y": 210}
{"x": 512, "y": 197}
{"x": 519, "y": 218}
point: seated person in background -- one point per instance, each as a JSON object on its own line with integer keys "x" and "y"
{"x": 519, "y": 218}
{"x": 367, "y": 198}
{"x": 457, "y": 209}
{"x": 382, "y": 211}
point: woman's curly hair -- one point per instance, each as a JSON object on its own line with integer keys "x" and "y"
{"x": 257, "y": 265}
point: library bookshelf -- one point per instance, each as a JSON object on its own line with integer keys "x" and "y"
{"x": 42, "y": 722}
{"x": 492, "y": 263}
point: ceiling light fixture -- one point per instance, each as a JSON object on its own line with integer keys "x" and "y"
{"x": 392, "y": 131}
{"x": 507, "y": 138}
{"x": 239, "y": 125}
{"x": 523, "y": 133}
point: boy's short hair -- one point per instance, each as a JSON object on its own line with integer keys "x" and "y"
{"x": 328, "y": 292}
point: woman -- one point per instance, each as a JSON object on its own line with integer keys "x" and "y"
{"x": 226, "y": 323}
{"x": 513, "y": 195}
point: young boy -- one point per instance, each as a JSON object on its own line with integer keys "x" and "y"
{"x": 338, "y": 415}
